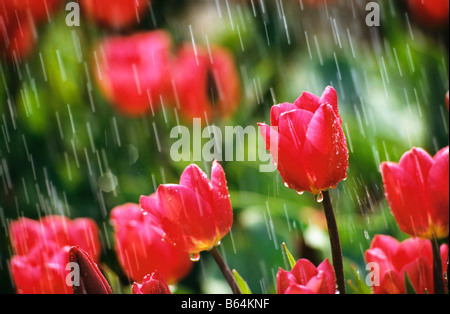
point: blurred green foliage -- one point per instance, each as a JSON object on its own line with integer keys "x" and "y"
{"x": 65, "y": 150}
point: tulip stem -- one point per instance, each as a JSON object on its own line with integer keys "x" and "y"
{"x": 225, "y": 270}
{"x": 336, "y": 251}
{"x": 437, "y": 268}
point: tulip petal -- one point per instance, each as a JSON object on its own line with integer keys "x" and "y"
{"x": 327, "y": 271}
{"x": 291, "y": 160}
{"x": 405, "y": 199}
{"x": 307, "y": 101}
{"x": 438, "y": 193}
{"x": 329, "y": 96}
{"x": 188, "y": 220}
{"x": 221, "y": 197}
{"x": 195, "y": 179}
{"x": 326, "y": 149}
{"x": 303, "y": 271}
{"x": 277, "y": 110}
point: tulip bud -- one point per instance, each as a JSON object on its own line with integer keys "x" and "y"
{"x": 152, "y": 284}
{"x": 92, "y": 280}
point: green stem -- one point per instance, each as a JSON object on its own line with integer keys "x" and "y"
{"x": 336, "y": 251}
{"x": 437, "y": 268}
{"x": 225, "y": 270}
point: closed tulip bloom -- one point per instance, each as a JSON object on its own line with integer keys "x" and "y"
{"x": 307, "y": 142}
{"x": 115, "y": 14}
{"x": 417, "y": 192}
{"x": 413, "y": 256}
{"x": 152, "y": 284}
{"x": 195, "y": 214}
{"x": 305, "y": 278}
{"x": 133, "y": 71}
{"x": 140, "y": 247}
{"x": 206, "y": 82}
{"x": 91, "y": 279}
{"x": 27, "y": 233}
{"x": 42, "y": 270}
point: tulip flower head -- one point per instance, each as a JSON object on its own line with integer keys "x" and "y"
{"x": 41, "y": 251}
{"x": 195, "y": 214}
{"x": 140, "y": 247}
{"x": 305, "y": 278}
{"x": 206, "y": 83}
{"x": 413, "y": 256}
{"x": 417, "y": 192}
{"x": 311, "y": 153}
{"x": 152, "y": 284}
{"x": 132, "y": 71}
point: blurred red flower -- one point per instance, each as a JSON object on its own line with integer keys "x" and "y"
{"x": 140, "y": 247}
{"x": 417, "y": 189}
{"x": 206, "y": 82}
{"x": 115, "y": 13}
{"x": 151, "y": 284}
{"x": 413, "y": 256}
{"x": 305, "y": 278}
{"x": 196, "y": 214}
{"x": 41, "y": 251}
{"x": 19, "y": 20}
{"x": 429, "y": 13}
{"x": 132, "y": 71}
{"x": 311, "y": 151}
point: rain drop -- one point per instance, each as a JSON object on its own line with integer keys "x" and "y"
{"x": 195, "y": 257}
{"x": 319, "y": 197}
{"x": 300, "y": 192}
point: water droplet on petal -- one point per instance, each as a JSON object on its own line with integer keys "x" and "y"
{"x": 195, "y": 257}
{"x": 286, "y": 184}
{"x": 319, "y": 197}
{"x": 300, "y": 192}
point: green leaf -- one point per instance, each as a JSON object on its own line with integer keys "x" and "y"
{"x": 112, "y": 278}
{"x": 409, "y": 288}
{"x": 245, "y": 289}
{"x": 287, "y": 256}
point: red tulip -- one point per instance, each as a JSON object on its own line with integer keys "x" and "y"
{"x": 305, "y": 278}
{"x": 18, "y": 23}
{"x": 413, "y": 256}
{"x": 115, "y": 13}
{"x": 140, "y": 248}
{"x": 41, "y": 251}
{"x": 26, "y": 234}
{"x": 430, "y": 13}
{"x": 42, "y": 270}
{"x": 152, "y": 284}
{"x": 91, "y": 279}
{"x": 133, "y": 71}
{"x": 206, "y": 84}
{"x": 417, "y": 191}
{"x": 196, "y": 214}
{"x": 311, "y": 153}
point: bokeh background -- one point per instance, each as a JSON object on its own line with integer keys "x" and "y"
{"x": 58, "y": 156}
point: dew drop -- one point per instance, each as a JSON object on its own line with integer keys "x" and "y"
{"x": 319, "y": 197}
{"x": 286, "y": 184}
{"x": 195, "y": 257}
{"x": 300, "y": 192}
